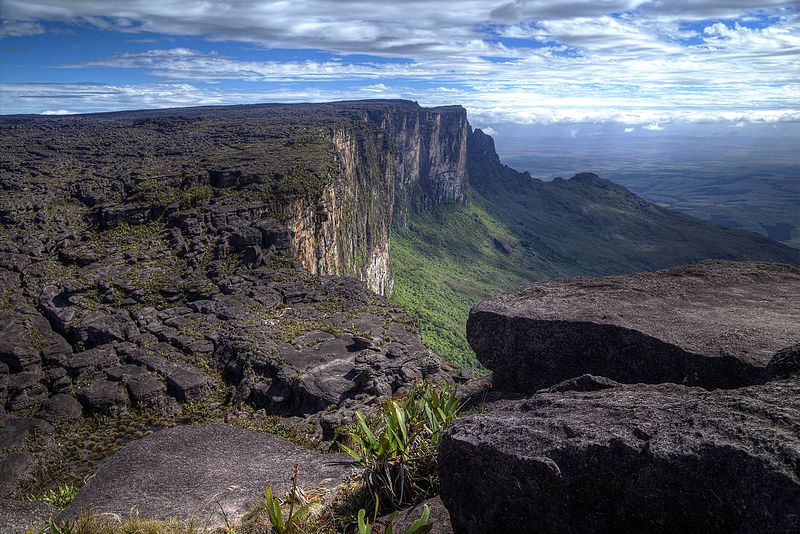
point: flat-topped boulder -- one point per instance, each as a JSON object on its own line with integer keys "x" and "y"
{"x": 630, "y": 458}
{"x": 198, "y": 473}
{"x": 711, "y": 324}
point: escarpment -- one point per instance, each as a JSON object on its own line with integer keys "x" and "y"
{"x": 159, "y": 268}
{"x": 394, "y": 160}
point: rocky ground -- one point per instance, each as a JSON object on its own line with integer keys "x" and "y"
{"x": 690, "y": 420}
{"x": 149, "y": 278}
{"x": 157, "y": 271}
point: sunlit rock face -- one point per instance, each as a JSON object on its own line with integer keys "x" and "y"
{"x": 392, "y": 159}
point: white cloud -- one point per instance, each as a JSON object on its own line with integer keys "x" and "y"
{"x": 488, "y": 130}
{"x": 489, "y": 105}
{"x": 629, "y": 130}
{"x": 19, "y": 28}
{"x": 653, "y": 127}
{"x": 624, "y": 61}
{"x": 58, "y": 112}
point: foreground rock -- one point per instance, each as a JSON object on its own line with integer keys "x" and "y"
{"x": 439, "y": 517}
{"x": 202, "y": 472}
{"x": 632, "y": 458}
{"x": 18, "y": 517}
{"x": 713, "y": 324}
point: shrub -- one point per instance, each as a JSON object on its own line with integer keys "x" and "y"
{"x": 400, "y": 458}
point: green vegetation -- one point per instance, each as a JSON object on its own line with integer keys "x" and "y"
{"x": 420, "y": 526}
{"x": 445, "y": 262}
{"x": 5, "y": 301}
{"x": 59, "y": 496}
{"x": 291, "y": 524}
{"x": 37, "y": 340}
{"x": 400, "y": 457}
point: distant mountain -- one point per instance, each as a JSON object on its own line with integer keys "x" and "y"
{"x": 518, "y": 229}
{"x": 745, "y": 177}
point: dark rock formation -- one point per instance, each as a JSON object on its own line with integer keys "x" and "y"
{"x": 60, "y": 407}
{"x": 591, "y": 454}
{"x": 439, "y": 517}
{"x": 712, "y": 324}
{"x": 785, "y": 363}
{"x": 196, "y": 260}
{"x": 19, "y": 517}
{"x": 17, "y": 463}
{"x": 633, "y": 458}
{"x": 16, "y": 469}
{"x": 202, "y": 472}
{"x": 104, "y": 397}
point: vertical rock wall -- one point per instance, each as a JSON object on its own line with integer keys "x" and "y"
{"x": 393, "y": 159}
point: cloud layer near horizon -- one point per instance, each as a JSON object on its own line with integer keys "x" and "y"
{"x": 535, "y": 61}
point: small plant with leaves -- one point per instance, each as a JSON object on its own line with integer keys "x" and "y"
{"x": 420, "y": 526}
{"x": 58, "y": 528}
{"x": 399, "y": 459}
{"x": 292, "y": 522}
{"x": 59, "y": 496}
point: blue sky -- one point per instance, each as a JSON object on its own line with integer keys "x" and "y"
{"x": 644, "y": 64}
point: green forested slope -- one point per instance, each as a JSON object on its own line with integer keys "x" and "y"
{"x": 517, "y": 229}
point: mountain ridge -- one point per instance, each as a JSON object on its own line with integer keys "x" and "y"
{"x": 518, "y": 230}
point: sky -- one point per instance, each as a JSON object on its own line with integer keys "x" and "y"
{"x": 644, "y": 65}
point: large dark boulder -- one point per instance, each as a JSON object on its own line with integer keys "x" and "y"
{"x": 712, "y": 324}
{"x": 202, "y": 472}
{"x": 632, "y": 458}
{"x": 24, "y": 516}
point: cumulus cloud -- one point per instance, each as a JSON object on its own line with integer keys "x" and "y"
{"x": 629, "y": 130}
{"x": 628, "y": 61}
{"x": 653, "y": 127}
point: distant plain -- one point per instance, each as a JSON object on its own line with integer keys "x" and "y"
{"x": 746, "y": 177}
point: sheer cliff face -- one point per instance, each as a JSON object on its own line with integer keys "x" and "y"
{"x": 392, "y": 159}
{"x": 430, "y": 156}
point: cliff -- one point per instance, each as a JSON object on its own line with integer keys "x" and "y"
{"x": 170, "y": 267}
{"x": 394, "y": 158}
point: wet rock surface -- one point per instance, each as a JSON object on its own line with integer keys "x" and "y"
{"x": 204, "y": 473}
{"x": 711, "y": 324}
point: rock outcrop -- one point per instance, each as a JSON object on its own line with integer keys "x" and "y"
{"x": 634, "y": 458}
{"x": 439, "y": 517}
{"x": 193, "y": 265}
{"x": 205, "y": 474}
{"x": 20, "y": 517}
{"x": 713, "y": 324}
{"x": 593, "y": 454}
